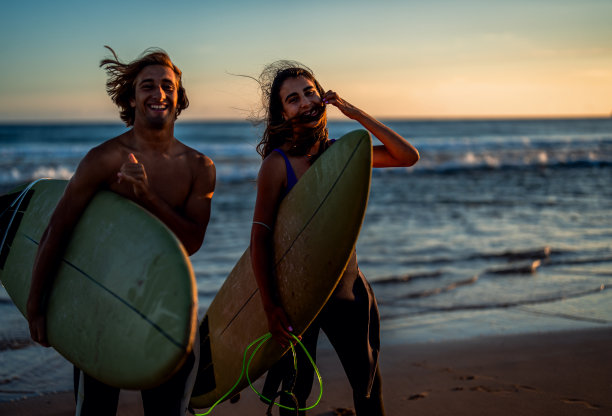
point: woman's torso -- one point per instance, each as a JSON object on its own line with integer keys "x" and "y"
{"x": 295, "y": 168}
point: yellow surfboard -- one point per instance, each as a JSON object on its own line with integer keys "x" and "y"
{"x": 315, "y": 233}
{"x": 123, "y": 304}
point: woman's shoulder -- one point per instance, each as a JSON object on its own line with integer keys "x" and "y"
{"x": 273, "y": 163}
{"x": 272, "y": 176}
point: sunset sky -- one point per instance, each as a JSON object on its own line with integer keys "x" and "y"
{"x": 404, "y": 58}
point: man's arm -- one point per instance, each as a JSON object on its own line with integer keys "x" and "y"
{"x": 81, "y": 188}
{"x": 198, "y": 206}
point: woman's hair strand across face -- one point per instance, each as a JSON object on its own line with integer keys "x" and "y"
{"x": 277, "y": 129}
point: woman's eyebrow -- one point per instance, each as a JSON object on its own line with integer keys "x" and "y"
{"x": 290, "y": 95}
{"x": 308, "y": 88}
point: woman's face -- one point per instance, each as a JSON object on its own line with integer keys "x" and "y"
{"x": 299, "y": 97}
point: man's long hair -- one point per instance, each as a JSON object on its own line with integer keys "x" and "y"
{"x": 278, "y": 130}
{"x": 122, "y": 78}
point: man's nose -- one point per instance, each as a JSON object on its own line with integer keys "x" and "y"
{"x": 159, "y": 93}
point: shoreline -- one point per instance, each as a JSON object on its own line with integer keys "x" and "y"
{"x": 560, "y": 373}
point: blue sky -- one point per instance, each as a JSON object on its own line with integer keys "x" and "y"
{"x": 391, "y": 58}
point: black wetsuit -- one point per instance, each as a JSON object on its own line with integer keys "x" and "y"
{"x": 351, "y": 321}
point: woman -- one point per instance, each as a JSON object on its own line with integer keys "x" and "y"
{"x": 295, "y": 135}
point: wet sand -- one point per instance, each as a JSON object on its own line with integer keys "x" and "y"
{"x": 562, "y": 373}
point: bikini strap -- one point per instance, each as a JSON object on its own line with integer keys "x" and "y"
{"x": 291, "y": 178}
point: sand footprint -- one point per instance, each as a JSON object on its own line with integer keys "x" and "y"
{"x": 341, "y": 411}
{"x": 515, "y": 388}
{"x": 581, "y": 402}
{"x": 418, "y": 396}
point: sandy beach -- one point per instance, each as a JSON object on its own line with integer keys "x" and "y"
{"x": 560, "y": 373}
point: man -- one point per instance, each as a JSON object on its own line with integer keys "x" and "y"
{"x": 148, "y": 165}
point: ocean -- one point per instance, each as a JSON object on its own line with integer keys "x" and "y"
{"x": 503, "y": 227}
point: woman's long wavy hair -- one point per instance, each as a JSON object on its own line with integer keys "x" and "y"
{"x": 278, "y": 130}
{"x": 122, "y": 77}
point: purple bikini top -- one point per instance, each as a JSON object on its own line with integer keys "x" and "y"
{"x": 291, "y": 178}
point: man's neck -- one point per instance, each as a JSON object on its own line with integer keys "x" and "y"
{"x": 153, "y": 138}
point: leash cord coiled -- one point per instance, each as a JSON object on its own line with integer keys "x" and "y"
{"x": 245, "y": 369}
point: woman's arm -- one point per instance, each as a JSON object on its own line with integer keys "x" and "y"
{"x": 269, "y": 187}
{"x": 395, "y": 151}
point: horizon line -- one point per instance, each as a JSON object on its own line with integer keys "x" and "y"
{"x": 332, "y": 119}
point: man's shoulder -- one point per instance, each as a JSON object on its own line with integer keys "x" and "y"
{"x": 109, "y": 151}
{"x": 111, "y": 145}
{"x": 195, "y": 156}
{"x": 201, "y": 167}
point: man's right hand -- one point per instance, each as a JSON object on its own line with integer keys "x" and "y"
{"x": 134, "y": 172}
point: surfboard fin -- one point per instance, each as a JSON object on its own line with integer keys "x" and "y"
{"x": 206, "y": 372}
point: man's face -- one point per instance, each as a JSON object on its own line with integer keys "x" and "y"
{"x": 155, "y": 95}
